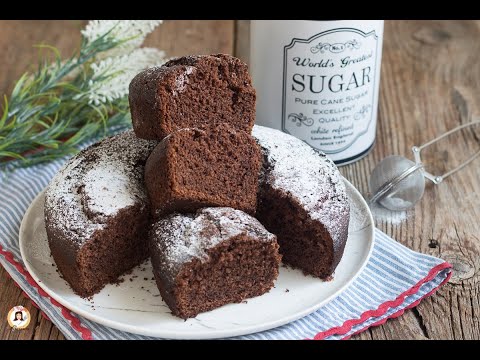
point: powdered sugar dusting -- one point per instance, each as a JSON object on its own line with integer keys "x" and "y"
{"x": 95, "y": 184}
{"x": 307, "y": 175}
{"x": 108, "y": 189}
{"x": 183, "y": 237}
{"x": 359, "y": 218}
{"x": 385, "y": 215}
{"x": 181, "y": 80}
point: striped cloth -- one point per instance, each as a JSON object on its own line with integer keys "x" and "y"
{"x": 395, "y": 278}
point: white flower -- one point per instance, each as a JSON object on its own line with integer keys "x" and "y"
{"x": 115, "y": 68}
{"x": 112, "y": 76}
{"x": 134, "y": 31}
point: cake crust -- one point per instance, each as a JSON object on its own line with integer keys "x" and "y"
{"x": 302, "y": 199}
{"x": 192, "y": 91}
{"x": 97, "y": 212}
{"x": 214, "y": 257}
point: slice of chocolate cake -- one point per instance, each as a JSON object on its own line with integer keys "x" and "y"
{"x": 193, "y": 168}
{"x": 192, "y": 91}
{"x": 97, "y": 213}
{"x": 302, "y": 199}
{"x": 214, "y": 257}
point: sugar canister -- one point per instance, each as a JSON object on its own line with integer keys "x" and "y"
{"x": 319, "y": 81}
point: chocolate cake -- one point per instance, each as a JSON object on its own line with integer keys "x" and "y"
{"x": 192, "y": 91}
{"x": 214, "y": 257}
{"x": 193, "y": 168}
{"x": 97, "y": 213}
{"x": 302, "y": 199}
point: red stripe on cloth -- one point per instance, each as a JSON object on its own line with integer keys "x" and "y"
{"x": 383, "y": 308}
{"x": 401, "y": 311}
{"x": 85, "y": 333}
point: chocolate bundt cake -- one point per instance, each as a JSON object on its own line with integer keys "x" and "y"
{"x": 214, "y": 257}
{"x": 97, "y": 213}
{"x": 193, "y": 168}
{"x": 192, "y": 91}
{"x": 302, "y": 199}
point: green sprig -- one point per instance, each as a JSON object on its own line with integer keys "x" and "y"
{"x": 48, "y": 113}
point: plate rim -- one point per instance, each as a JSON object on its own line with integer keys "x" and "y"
{"x": 210, "y": 334}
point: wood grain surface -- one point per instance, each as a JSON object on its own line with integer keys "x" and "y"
{"x": 430, "y": 83}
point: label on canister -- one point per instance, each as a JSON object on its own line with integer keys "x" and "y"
{"x": 319, "y": 81}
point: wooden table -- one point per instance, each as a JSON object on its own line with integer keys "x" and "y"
{"x": 430, "y": 83}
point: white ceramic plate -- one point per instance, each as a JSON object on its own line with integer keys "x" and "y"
{"x": 136, "y": 306}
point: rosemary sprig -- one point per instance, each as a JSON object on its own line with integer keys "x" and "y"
{"x": 64, "y": 103}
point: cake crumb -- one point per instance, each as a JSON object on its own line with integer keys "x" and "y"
{"x": 119, "y": 281}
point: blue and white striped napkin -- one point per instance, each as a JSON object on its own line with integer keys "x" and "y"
{"x": 395, "y": 278}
